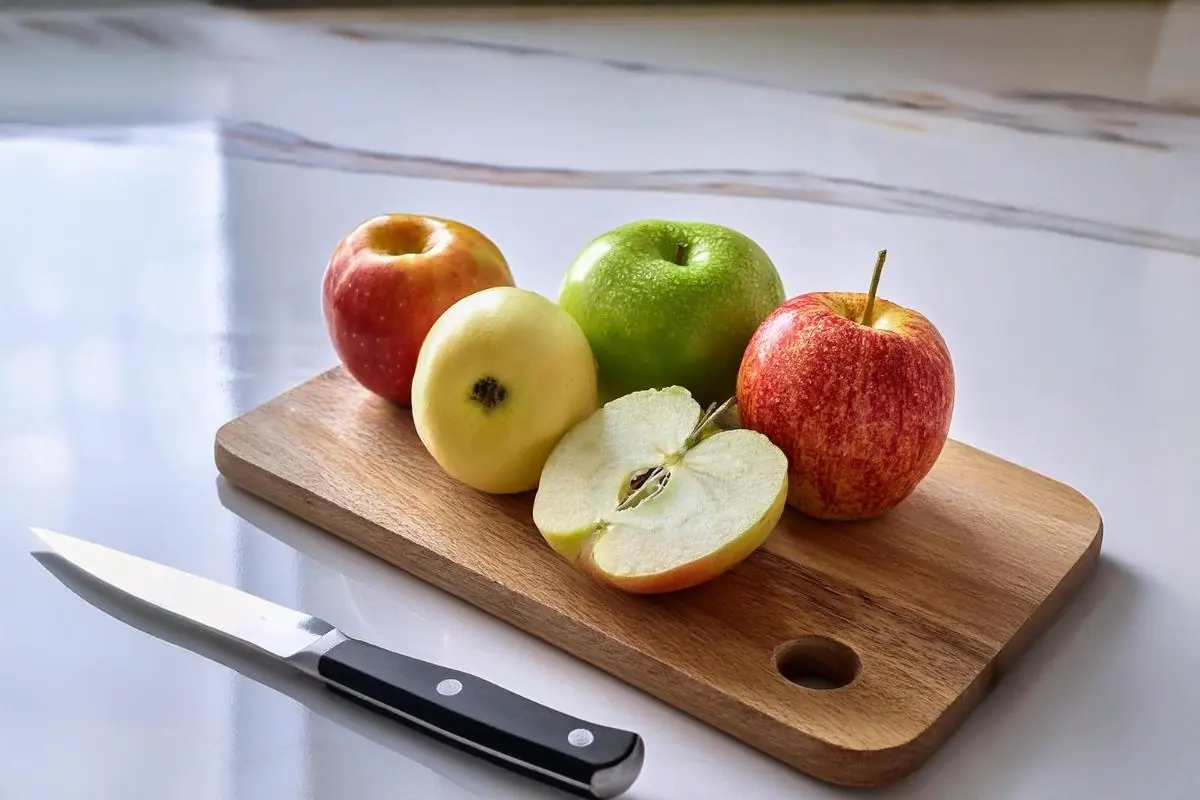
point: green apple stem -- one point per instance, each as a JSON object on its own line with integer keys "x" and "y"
{"x": 866, "y": 317}
{"x": 681, "y": 253}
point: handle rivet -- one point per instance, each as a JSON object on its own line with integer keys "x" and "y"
{"x": 580, "y": 737}
{"x": 449, "y": 687}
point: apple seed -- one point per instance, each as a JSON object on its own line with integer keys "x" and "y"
{"x": 649, "y": 482}
{"x": 640, "y": 477}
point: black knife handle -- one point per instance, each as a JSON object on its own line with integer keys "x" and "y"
{"x": 489, "y": 721}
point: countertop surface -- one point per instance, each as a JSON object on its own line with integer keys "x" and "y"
{"x": 172, "y": 184}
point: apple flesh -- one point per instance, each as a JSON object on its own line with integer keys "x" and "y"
{"x": 386, "y": 283}
{"x": 502, "y": 375}
{"x": 862, "y": 409}
{"x": 647, "y": 495}
{"x": 666, "y": 303}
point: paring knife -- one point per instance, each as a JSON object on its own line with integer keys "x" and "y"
{"x": 456, "y": 707}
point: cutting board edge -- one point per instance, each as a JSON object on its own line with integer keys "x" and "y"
{"x": 1057, "y": 602}
{"x": 810, "y": 754}
{"x": 864, "y": 768}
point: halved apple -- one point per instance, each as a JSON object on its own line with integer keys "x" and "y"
{"x": 649, "y": 494}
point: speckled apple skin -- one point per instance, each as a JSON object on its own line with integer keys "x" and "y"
{"x": 862, "y": 413}
{"x": 388, "y": 281}
{"x": 653, "y": 323}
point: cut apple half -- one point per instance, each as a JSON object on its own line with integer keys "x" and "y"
{"x": 649, "y": 495}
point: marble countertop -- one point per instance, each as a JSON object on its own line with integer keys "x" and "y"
{"x": 173, "y": 183}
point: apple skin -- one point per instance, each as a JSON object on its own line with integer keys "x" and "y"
{"x": 861, "y": 412}
{"x": 654, "y": 323}
{"x": 388, "y": 281}
{"x": 502, "y": 376}
{"x": 694, "y": 573}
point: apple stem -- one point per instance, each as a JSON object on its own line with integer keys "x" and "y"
{"x": 706, "y": 419}
{"x": 866, "y": 317}
{"x": 681, "y": 253}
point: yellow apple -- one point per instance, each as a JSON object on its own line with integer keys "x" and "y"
{"x": 648, "y": 495}
{"x": 502, "y": 375}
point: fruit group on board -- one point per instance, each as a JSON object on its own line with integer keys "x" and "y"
{"x": 857, "y": 391}
{"x": 502, "y": 375}
{"x": 386, "y": 283}
{"x": 667, "y": 303}
{"x": 647, "y": 495}
{"x": 616, "y": 402}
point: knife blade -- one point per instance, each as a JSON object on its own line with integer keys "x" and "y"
{"x": 461, "y": 709}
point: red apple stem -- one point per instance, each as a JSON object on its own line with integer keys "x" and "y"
{"x": 866, "y": 317}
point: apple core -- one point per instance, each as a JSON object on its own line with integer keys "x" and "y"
{"x": 649, "y": 495}
{"x": 643, "y": 485}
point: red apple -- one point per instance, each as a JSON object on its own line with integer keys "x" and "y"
{"x": 858, "y": 393}
{"x": 389, "y": 280}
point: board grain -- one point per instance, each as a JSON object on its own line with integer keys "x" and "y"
{"x": 936, "y": 599}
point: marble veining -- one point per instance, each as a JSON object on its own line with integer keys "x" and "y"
{"x": 1167, "y": 125}
{"x": 1152, "y": 124}
{"x": 114, "y": 32}
{"x": 79, "y": 33}
{"x": 250, "y": 131}
{"x": 255, "y": 141}
{"x": 142, "y": 31}
{"x": 258, "y": 142}
{"x": 264, "y": 143}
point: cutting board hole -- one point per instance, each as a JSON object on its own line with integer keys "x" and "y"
{"x": 817, "y": 662}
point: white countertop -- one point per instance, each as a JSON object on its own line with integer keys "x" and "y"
{"x": 171, "y": 185}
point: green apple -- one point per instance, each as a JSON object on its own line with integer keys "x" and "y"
{"x": 649, "y": 495}
{"x": 502, "y": 375}
{"x": 666, "y": 303}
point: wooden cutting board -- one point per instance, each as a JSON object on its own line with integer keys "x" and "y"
{"x": 918, "y": 612}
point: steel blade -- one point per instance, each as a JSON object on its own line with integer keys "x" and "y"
{"x": 229, "y": 612}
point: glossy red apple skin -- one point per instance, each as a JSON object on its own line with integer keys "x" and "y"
{"x": 861, "y": 413}
{"x": 388, "y": 281}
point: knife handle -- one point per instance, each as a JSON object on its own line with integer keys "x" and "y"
{"x": 487, "y": 720}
